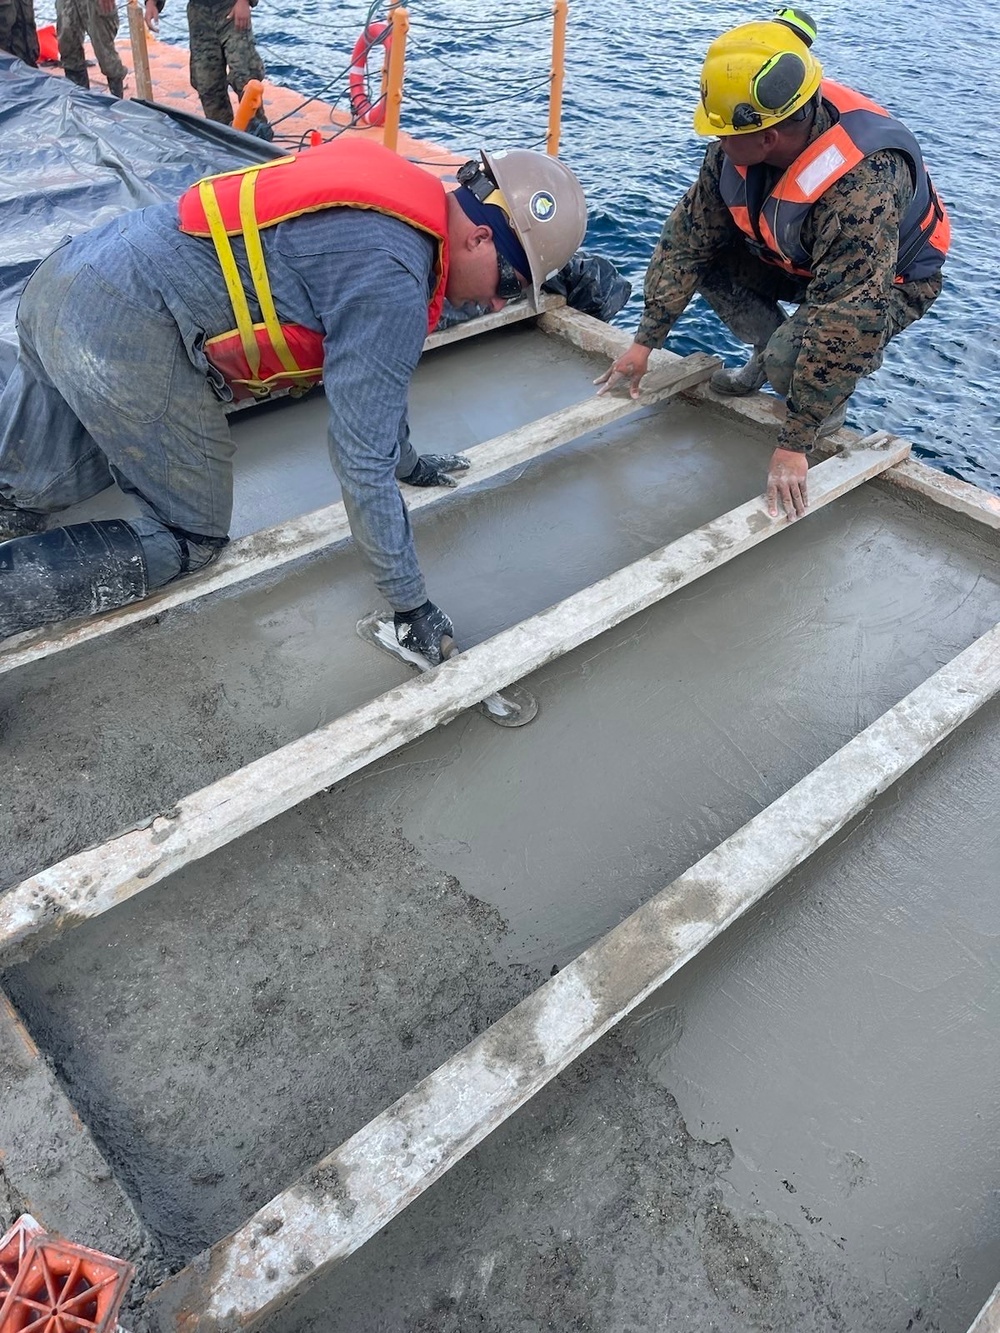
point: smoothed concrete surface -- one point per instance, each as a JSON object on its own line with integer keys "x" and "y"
{"x": 226, "y": 1028}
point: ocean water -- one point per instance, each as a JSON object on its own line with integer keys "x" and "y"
{"x": 478, "y": 75}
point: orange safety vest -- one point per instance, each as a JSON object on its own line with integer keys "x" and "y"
{"x": 773, "y": 226}
{"x": 256, "y": 358}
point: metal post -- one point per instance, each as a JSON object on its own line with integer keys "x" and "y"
{"x": 559, "y": 12}
{"x": 140, "y": 53}
{"x": 400, "y": 20}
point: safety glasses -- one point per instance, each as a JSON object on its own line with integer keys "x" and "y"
{"x": 508, "y": 283}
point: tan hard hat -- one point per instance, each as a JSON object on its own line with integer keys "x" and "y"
{"x": 545, "y": 205}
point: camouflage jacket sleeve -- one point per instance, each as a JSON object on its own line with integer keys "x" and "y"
{"x": 852, "y": 234}
{"x": 698, "y": 228}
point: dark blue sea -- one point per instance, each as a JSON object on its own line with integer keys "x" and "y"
{"x": 479, "y": 74}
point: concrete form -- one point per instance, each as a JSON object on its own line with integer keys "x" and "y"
{"x": 270, "y": 549}
{"x": 98, "y": 879}
{"x": 355, "y": 1191}
{"x": 207, "y": 1082}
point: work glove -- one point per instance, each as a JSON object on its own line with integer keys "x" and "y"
{"x": 422, "y": 630}
{"x": 433, "y": 469}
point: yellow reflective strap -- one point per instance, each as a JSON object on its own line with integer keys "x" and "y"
{"x": 231, "y": 274}
{"x": 258, "y": 271}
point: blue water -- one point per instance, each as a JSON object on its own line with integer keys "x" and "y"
{"x": 479, "y": 74}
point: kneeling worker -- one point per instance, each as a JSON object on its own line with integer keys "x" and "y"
{"x": 812, "y": 195}
{"x": 332, "y": 265}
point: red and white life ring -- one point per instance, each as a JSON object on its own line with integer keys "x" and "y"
{"x": 375, "y": 34}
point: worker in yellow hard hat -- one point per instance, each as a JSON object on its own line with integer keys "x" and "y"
{"x": 811, "y": 195}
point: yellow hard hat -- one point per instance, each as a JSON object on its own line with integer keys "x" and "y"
{"x": 755, "y": 76}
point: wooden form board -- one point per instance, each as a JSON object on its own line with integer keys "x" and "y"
{"x": 961, "y": 497}
{"x": 272, "y": 548}
{"x": 988, "y": 1318}
{"x": 356, "y": 1190}
{"x": 93, "y": 881}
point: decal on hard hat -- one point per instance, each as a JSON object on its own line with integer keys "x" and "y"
{"x": 542, "y": 206}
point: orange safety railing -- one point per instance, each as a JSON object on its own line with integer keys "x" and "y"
{"x": 392, "y": 76}
{"x": 560, "y": 12}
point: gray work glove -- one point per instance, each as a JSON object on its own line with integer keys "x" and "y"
{"x": 433, "y": 469}
{"x": 422, "y": 630}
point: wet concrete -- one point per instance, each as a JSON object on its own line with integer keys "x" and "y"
{"x": 223, "y": 1030}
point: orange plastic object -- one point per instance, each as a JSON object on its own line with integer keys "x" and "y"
{"x": 13, "y": 1246}
{"x": 65, "y": 1288}
{"x": 250, "y": 104}
{"x": 48, "y": 46}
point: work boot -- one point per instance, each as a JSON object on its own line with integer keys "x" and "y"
{"x": 17, "y": 522}
{"x": 260, "y": 126}
{"x": 78, "y": 76}
{"x": 834, "y": 421}
{"x": 744, "y": 379}
{"x": 116, "y": 87}
{"x": 69, "y": 572}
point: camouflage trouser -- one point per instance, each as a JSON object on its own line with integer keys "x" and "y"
{"x": 17, "y": 30}
{"x": 76, "y": 19}
{"x": 220, "y": 56}
{"x": 744, "y": 292}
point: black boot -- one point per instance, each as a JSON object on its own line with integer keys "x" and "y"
{"x": 69, "y": 572}
{"x": 116, "y": 87}
{"x": 78, "y": 76}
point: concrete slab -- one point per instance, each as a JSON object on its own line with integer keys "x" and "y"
{"x": 50, "y": 1166}
{"x": 224, "y": 1030}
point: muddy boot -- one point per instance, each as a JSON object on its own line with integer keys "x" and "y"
{"x": 743, "y": 380}
{"x": 78, "y": 76}
{"x": 116, "y": 87}
{"x": 16, "y": 522}
{"x": 834, "y": 421}
{"x": 260, "y": 126}
{"x": 69, "y": 572}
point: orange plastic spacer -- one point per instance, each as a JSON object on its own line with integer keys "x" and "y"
{"x": 13, "y": 1246}
{"x": 61, "y": 1286}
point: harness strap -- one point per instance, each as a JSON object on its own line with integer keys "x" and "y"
{"x": 258, "y": 271}
{"x": 231, "y": 274}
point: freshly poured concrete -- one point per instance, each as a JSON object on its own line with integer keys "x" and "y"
{"x": 233, "y": 1023}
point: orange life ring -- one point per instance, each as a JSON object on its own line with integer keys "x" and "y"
{"x": 365, "y": 113}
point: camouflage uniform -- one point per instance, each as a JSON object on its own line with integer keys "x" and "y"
{"x": 216, "y": 44}
{"x": 17, "y": 30}
{"x": 76, "y": 19}
{"x": 848, "y": 310}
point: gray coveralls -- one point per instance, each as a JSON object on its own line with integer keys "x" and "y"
{"x": 112, "y": 382}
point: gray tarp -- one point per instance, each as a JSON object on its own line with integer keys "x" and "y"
{"x": 72, "y": 159}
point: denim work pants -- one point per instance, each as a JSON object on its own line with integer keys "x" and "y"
{"x": 104, "y": 391}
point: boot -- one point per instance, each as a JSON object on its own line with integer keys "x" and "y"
{"x": 834, "y": 421}
{"x": 116, "y": 87}
{"x": 17, "y": 522}
{"x": 743, "y": 380}
{"x": 78, "y": 76}
{"x": 69, "y": 572}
